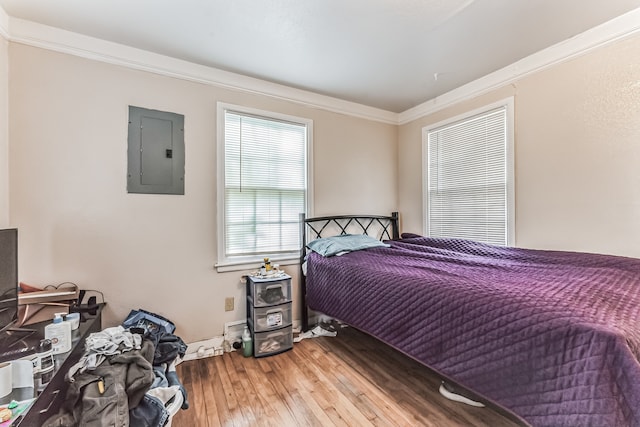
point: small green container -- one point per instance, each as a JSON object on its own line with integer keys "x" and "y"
{"x": 247, "y": 348}
{"x": 247, "y": 343}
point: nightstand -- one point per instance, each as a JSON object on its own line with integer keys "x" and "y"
{"x": 269, "y": 314}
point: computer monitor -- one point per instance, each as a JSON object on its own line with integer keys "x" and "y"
{"x": 8, "y": 278}
{"x": 14, "y": 342}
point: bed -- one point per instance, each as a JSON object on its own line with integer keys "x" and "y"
{"x": 553, "y": 337}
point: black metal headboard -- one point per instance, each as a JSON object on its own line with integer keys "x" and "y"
{"x": 380, "y": 227}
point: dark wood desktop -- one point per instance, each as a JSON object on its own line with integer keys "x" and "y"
{"x": 49, "y": 397}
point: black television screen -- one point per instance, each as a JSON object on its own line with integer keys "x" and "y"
{"x": 8, "y": 277}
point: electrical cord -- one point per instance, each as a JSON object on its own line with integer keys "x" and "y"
{"x": 82, "y": 291}
{"x": 90, "y": 307}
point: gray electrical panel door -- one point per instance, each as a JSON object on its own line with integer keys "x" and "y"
{"x": 155, "y": 152}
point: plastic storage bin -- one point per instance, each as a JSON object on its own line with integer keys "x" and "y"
{"x": 269, "y": 318}
{"x": 272, "y": 342}
{"x": 269, "y": 314}
{"x": 266, "y": 292}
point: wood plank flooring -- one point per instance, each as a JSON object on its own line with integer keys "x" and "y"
{"x": 348, "y": 380}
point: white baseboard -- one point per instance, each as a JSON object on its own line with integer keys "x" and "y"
{"x": 215, "y": 346}
{"x": 233, "y": 332}
{"x": 205, "y": 348}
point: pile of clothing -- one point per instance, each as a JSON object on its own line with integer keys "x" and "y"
{"x": 126, "y": 376}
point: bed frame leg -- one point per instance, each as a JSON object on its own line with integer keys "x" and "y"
{"x": 304, "y": 312}
{"x": 304, "y": 327}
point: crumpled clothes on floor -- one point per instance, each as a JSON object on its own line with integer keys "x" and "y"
{"x": 100, "y": 345}
{"x": 318, "y": 331}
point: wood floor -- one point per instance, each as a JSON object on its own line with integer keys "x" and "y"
{"x": 348, "y": 380}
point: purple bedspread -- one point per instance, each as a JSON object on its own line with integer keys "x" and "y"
{"x": 552, "y": 336}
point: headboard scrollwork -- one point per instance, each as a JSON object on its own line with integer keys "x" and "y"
{"x": 380, "y": 227}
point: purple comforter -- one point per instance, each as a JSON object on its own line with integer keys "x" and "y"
{"x": 552, "y": 336}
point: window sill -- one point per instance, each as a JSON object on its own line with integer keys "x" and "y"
{"x": 225, "y": 266}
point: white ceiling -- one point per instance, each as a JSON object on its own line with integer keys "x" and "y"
{"x": 387, "y": 54}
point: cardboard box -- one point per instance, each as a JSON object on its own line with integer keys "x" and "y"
{"x": 35, "y": 313}
{"x": 38, "y": 305}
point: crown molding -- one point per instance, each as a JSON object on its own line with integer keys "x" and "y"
{"x": 55, "y": 39}
{"x": 609, "y": 32}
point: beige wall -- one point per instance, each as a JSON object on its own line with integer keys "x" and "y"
{"x": 4, "y": 133}
{"x": 68, "y": 194}
{"x": 577, "y": 153}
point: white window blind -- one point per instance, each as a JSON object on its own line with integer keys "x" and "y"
{"x": 265, "y": 185}
{"x": 467, "y": 175}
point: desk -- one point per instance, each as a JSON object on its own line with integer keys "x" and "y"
{"x": 49, "y": 400}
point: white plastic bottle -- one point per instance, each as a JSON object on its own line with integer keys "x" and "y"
{"x": 59, "y": 333}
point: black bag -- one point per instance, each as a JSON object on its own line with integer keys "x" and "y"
{"x": 148, "y": 321}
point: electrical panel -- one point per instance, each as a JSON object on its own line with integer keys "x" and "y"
{"x": 155, "y": 152}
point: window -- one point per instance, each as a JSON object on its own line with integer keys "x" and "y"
{"x": 468, "y": 168}
{"x": 264, "y": 184}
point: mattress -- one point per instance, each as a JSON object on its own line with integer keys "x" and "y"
{"x": 551, "y": 336}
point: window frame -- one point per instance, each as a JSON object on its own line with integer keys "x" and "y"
{"x": 243, "y": 262}
{"x": 508, "y": 104}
